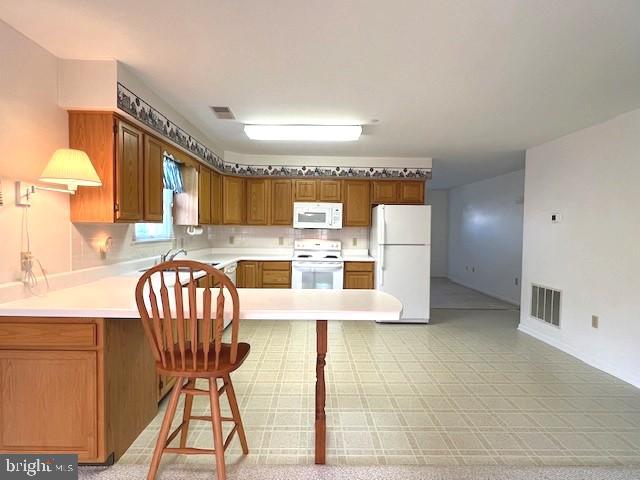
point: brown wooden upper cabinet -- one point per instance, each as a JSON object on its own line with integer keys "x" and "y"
{"x": 384, "y": 192}
{"x": 216, "y": 198}
{"x": 329, "y": 191}
{"x": 304, "y": 190}
{"x": 233, "y": 200}
{"x": 411, "y": 191}
{"x": 129, "y": 173}
{"x": 397, "y": 191}
{"x": 204, "y": 196}
{"x": 116, "y": 149}
{"x": 281, "y": 202}
{"x": 317, "y": 191}
{"x": 357, "y": 204}
{"x": 153, "y": 178}
{"x": 257, "y": 203}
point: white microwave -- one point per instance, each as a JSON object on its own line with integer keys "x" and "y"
{"x": 317, "y": 215}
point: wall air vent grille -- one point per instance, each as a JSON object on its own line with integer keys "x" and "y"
{"x": 545, "y": 304}
{"x": 223, "y": 113}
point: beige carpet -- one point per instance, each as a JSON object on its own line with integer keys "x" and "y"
{"x": 313, "y": 472}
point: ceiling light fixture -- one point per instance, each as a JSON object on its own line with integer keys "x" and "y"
{"x": 308, "y": 133}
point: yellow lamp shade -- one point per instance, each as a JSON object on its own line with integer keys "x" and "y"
{"x": 72, "y": 168}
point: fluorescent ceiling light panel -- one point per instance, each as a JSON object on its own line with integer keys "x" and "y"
{"x": 308, "y": 133}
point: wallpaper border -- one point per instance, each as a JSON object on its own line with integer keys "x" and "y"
{"x": 129, "y": 102}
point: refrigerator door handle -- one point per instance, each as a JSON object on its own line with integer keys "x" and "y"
{"x": 383, "y": 226}
{"x": 381, "y": 243}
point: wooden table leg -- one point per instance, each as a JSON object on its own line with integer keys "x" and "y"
{"x": 321, "y": 419}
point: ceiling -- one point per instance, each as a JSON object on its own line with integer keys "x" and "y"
{"x": 471, "y": 84}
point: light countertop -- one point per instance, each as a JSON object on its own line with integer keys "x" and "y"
{"x": 224, "y": 257}
{"x": 113, "y": 297}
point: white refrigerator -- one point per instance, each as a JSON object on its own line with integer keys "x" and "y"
{"x": 400, "y": 242}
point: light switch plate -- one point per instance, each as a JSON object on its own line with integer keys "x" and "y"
{"x": 594, "y": 321}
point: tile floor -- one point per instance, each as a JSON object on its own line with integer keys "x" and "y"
{"x": 448, "y": 294}
{"x": 469, "y": 389}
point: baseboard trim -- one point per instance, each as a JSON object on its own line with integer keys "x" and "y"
{"x": 580, "y": 355}
{"x": 491, "y": 294}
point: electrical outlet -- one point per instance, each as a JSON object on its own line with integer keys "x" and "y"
{"x": 232, "y": 239}
{"x": 516, "y": 281}
{"x": 594, "y": 321}
{"x": 354, "y": 242}
{"x": 280, "y": 241}
{"x": 25, "y": 261}
{"x": 473, "y": 269}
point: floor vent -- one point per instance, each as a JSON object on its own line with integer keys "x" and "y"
{"x": 545, "y": 304}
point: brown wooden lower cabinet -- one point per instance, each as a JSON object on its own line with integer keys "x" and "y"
{"x": 90, "y": 390}
{"x": 275, "y": 275}
{"x": 207, "y": 282}
{"x": 268, "y": 274}
{"x": 358, "y": 275}
{"x": 248, "y": 274}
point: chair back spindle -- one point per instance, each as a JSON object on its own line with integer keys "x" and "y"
{"x": 183, "y": 326}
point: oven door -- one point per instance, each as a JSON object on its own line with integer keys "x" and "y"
{"x": 317, "y": 275}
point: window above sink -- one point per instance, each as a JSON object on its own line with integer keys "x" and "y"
{"x": 157, "y": 232}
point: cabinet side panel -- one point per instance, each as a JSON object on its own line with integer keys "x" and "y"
{"x": 132, "y": 383}
{"x": 93, "y": 133}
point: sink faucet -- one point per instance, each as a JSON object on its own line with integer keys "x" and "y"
{"x": 171, "y": 255}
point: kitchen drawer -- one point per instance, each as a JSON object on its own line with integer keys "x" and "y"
{"x": 268, "y": 266}
{"x": 358, "y": 266}
{"x": 274, "y": 285}
{"x": 275, "y": 277}
{"x": 27, "y": 334}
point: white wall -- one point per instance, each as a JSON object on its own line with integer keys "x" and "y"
{"x": 439, "y": 201}
{"x": 130, "y": 80}
{"x": 87, "y": 84}
{"x": 485, "y": 235}
{"x": 592, "y": 178}
{"x": 32, "y": 126}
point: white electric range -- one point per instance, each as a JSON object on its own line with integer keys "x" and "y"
{"x": 317, "y": 264}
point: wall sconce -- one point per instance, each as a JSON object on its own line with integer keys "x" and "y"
{"x": 68, "y": 167}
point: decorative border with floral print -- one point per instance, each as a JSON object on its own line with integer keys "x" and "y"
{"x": 135, "y": 106}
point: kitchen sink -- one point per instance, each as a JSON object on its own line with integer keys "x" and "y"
{"x": 142, "y": 270}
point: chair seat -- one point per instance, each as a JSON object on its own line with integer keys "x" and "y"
{"x": 224, "y": 365}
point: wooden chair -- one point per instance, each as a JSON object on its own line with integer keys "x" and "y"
{"x": 187, "y": 348}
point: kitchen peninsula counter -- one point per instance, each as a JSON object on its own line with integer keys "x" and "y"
{"x": 77, "y": 375}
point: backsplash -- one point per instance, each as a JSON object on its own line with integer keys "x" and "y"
{"x": 86, "y": 240}
{"x": 279, "y": 237}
